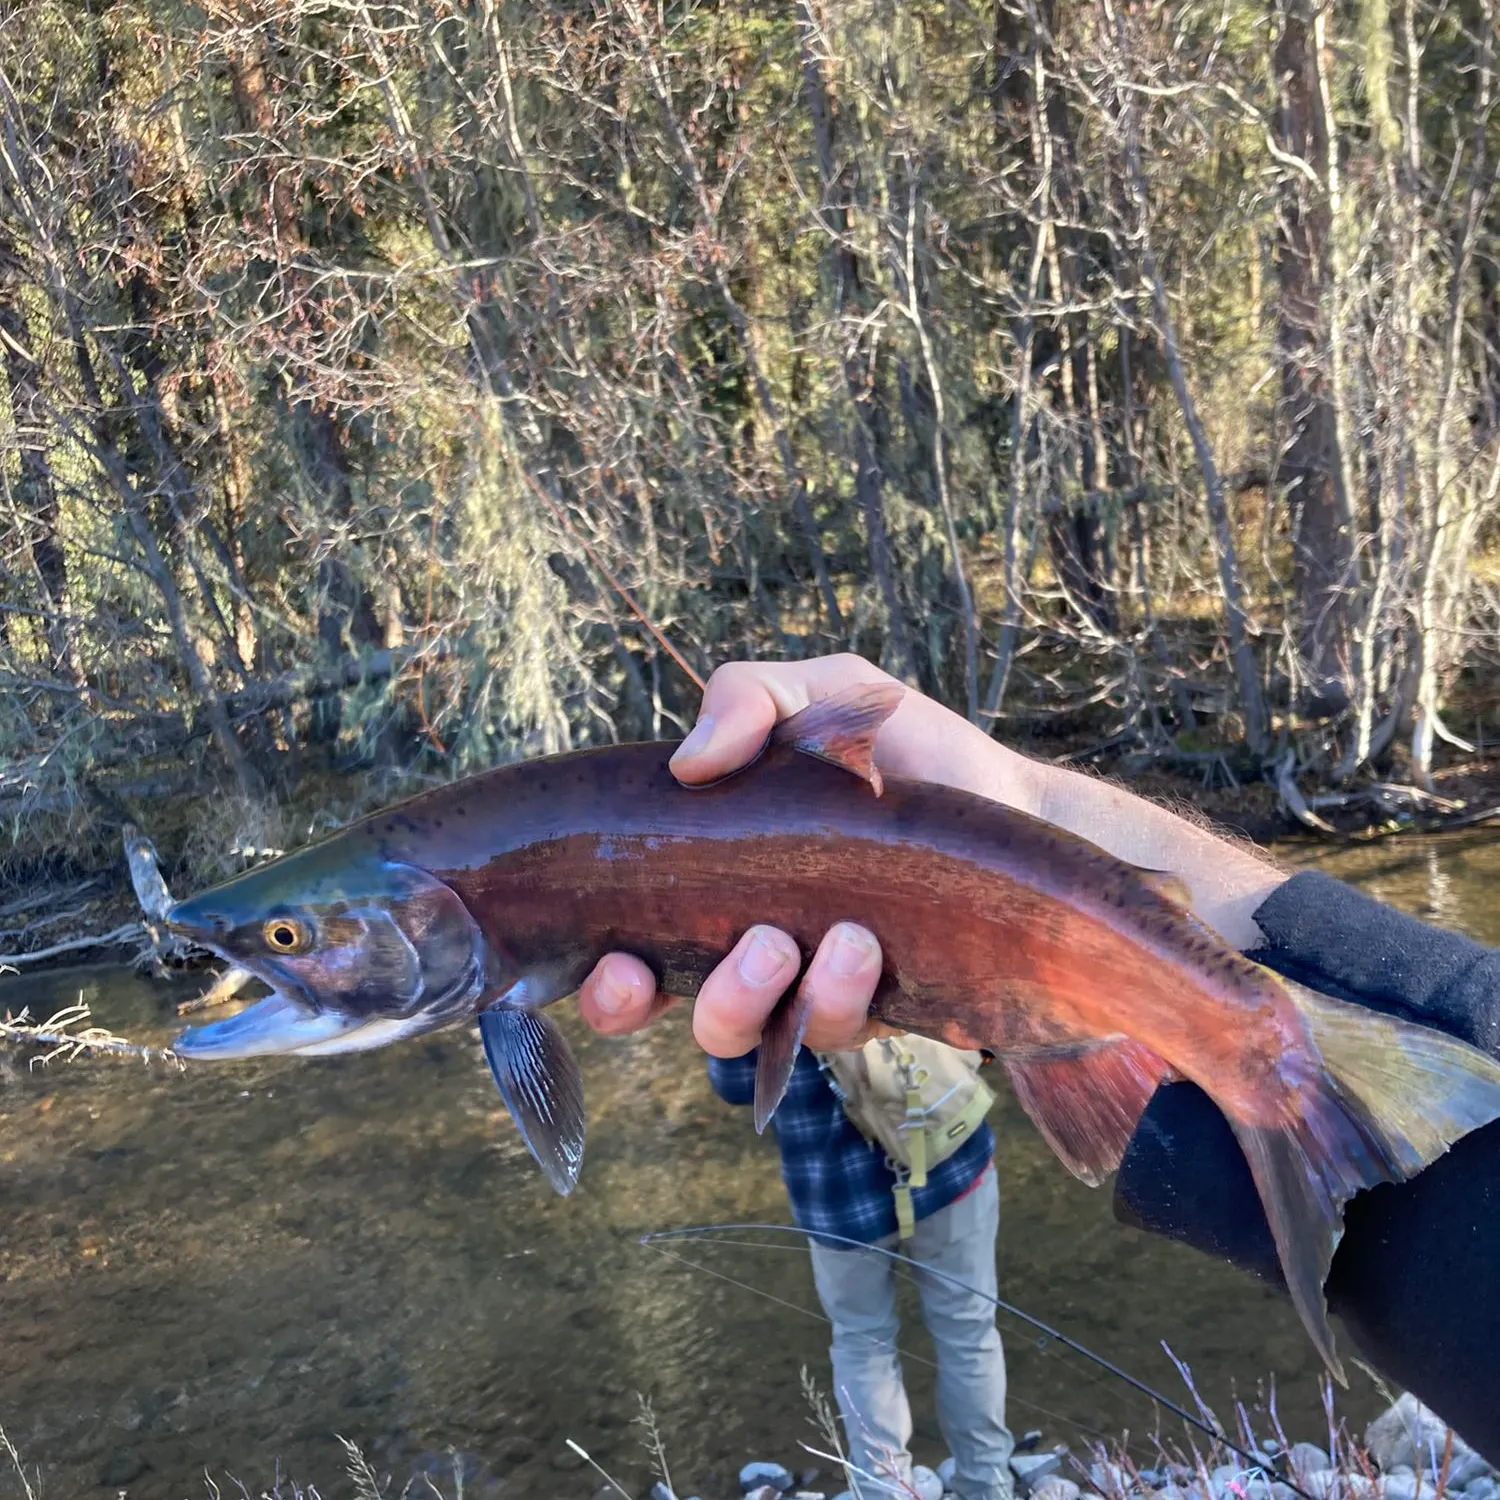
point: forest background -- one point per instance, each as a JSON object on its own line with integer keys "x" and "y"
{"x": 380, "y": 378}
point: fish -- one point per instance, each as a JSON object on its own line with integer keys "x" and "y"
{"x": 1088, "y": 978}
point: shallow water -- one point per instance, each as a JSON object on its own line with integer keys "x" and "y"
{"x": 224, "y": 1268}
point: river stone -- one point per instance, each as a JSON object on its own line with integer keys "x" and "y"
{"x": 1483, "y": 1488}
{"x": 1031, "y": 1468}
{"x": 1308, "y": 1458}
{"x": 1108, "y": 1478}
{"x": 1055, "y": 1487}
{"x": 1465, "y": 1468}
{"x": 753, "y": 1476}
{"x": 1323, "y": 1484}
{"x": 1408, "y": 1487}
{"x": 945, "y": 1471}
{"x": 661, "y": 1490}
{"x": 764, "y": 1492}
{"x": 1408, "y": 1434}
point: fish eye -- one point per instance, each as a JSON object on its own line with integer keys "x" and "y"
{"x": 286, "y": 935}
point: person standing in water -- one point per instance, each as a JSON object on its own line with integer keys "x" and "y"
{"x": 943, "y": 1210}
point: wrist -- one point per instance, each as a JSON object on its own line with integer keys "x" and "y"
{"x": 1228, "y": 880}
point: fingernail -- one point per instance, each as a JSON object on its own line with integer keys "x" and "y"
{"x": 851, "y": 950}
{"x": 764, "y": 959}
{"x": 611, "y": 996}
{"x": 697, "y": 741}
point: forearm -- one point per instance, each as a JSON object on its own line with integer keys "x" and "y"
{"x": 1227, "y": 881}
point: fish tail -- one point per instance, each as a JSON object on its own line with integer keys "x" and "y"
{"x": 1388, "y": 1100}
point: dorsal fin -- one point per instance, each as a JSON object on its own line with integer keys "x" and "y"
{"x": 842, "y": 729}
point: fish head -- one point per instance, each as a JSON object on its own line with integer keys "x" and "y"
{"x": 357, "y": 952}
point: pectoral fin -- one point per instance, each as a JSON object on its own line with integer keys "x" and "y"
{"x": 538, "y": 1077}
{"x": 780, "y": 1042}
{"x": 1087, "y": 1101}
{"x": 842, "y": 729}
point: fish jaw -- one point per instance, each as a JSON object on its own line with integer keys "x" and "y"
{"x": 270, "y": 1027}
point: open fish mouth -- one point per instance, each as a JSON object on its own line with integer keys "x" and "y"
{"x": 282, "y": 1026}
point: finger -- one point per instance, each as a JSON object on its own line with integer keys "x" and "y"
{"x": 840, "y": 983}
{"x": 731, "y": 1010}
{"x": 744, "y": 701}
{"x": 619, "y": 996}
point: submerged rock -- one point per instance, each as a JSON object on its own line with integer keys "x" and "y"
{"x": 123, "y": 1466}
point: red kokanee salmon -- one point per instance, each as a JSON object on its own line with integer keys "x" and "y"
{"x": 1088, "y": 977}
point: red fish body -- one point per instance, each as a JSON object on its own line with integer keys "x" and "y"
{"x": 1087, "y": 976}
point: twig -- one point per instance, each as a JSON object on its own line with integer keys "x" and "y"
{"x": 15, "y": 1458}
{"x": 609, "y": 1478}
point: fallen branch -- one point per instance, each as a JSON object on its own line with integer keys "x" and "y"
{"x": 1292, "y": 798}
{"x": 67, "y": 1035}
{"x": 116, "y": 939}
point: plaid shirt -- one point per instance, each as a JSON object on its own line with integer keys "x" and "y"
{"x": 837, "y": 1181}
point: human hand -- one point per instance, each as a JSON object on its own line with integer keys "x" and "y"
{"x": 741, "y": 705}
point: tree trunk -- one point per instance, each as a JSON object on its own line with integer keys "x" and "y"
{"x": 837, "y": 215}
{"x": 36, "y": 495}
{"x": 1310, "y": 462}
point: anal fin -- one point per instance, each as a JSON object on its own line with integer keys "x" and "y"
{"x": 780, "y": 1042}
{"x": 1088, "y": 1100}
{"x": 841, "y": 729}
{"x": 538, "y": 1078}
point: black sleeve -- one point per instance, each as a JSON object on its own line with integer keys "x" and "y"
{"x": 1414, "y": 1277}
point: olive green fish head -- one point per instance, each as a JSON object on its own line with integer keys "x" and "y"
{"x": 357, "y": 951}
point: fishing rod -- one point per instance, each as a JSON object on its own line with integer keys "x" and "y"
{"x": 1255, "y": 1460}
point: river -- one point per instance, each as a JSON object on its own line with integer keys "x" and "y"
{"x": 228, "y": 1268}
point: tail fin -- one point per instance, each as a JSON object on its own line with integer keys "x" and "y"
{"x": 1389, "y": 1100}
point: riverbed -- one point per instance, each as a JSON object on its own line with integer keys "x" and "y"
{"x": 225, "y": 1269}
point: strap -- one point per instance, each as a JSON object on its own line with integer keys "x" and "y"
{"x": 906, "y": 1217}
{"x": 916, "y": 1136}
{"x": 973, "y": 1116}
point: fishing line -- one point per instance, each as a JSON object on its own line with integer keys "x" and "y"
{"x": 1041, "y": 1345}
{"x": 816, "y": 1317}
{"x": 1255, "y": 1460}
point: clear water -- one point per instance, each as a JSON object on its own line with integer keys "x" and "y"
{"x": 227, "y": 1267}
